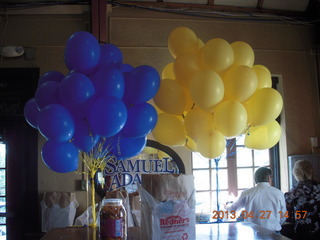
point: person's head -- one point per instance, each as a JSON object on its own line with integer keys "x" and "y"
{"x": 303, "y": 170}
{"x": 262, "y": 174}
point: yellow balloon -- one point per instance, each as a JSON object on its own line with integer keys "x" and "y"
{"x": 170, "y": 97}
{"x": 211, "y": 144}
{"x": 240, "y": 83}
{"x": 264, "y": 106}
{"x": 169, "y": 131}
{"x": 243, "y": 54}
{"x": 167, "y": 72}
{"x": 185, "y": 65}
{"x": 262, "y": 67}
{"x": 264, "y": 77}
{"x": 230, "y": 118}
{"x": 181, "y": 118}
{"x": 155, "y": 106}
{"x": 263, "y": 137}
{"x": 191, "y": 144}
{"x": 217, "y": 55}
{"x": 197, "y": 121}
{"x": 200, "y": 43}
{"x": 189, "y": 101}
{"x": 162, "y": 155}
{"x": 206, "y": 89}
{"x": 182, "y": 39}
{"x": 150, "y": 150}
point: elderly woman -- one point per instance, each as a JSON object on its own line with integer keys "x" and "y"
{"x": 303, "y": 202}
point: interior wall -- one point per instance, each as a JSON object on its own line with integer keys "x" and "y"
{"x": 285, "y": 49}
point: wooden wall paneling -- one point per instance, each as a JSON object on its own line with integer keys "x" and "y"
{"x": 42, "y": 30}
{"x": 154, "y": 32}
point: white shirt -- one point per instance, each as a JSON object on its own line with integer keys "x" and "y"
{"x": 262, "y": 205}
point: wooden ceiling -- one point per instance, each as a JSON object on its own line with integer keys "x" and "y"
{"x": 302, "y": 9}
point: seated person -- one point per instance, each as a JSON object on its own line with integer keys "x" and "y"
{"x": 263, "y": 202}
{"x": 303, "y": 202}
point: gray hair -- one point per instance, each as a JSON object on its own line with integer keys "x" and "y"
{"x": 303, "y": 170}
{"x": 262, "y": 174}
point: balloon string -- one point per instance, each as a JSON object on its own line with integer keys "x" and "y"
{"x": 118, "y": 146}
{"x": 216, "y": 160}
{"x": 247, "y": 131}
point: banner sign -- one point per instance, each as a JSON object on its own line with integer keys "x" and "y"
{"x": 127, "y": 172}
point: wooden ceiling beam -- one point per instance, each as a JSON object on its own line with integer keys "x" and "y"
{"x": 260, "y": 4}
{"x": 99, "y": 20}
{"x": 211, "y": 6}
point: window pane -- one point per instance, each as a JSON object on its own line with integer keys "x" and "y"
{"x": 2, "y": 204}
{"x": 245, "y": 177}
{"x": 244, "y": 157}
{"x": 3, "y": 232}
{"x": 199, "y": 162}
{"x": 203, "y": 202}
{"x": 201, "y": 179}
{"x": 222, "y": 178}
{"x": 222, "y": 163}
{"x": 223, "y": 198}
{"x": 2, "y": 155}
{"x": 2, "y": 182}
{"x": 240, "y": 139}
{"x": 261, "y": 158}
{"x": 2, "y": 220}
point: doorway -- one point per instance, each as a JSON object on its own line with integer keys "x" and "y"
{"x": 19, "y": 204}
{"x": 19, "y": 191}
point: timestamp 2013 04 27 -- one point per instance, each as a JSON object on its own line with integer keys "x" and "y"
{"x": 263, "y": 214}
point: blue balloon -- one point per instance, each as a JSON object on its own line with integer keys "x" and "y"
{"x": 124, "y": 148}
{"x": 82, "y": 52}
{"x": 61, "y": 157}
{"x": 83, "y": 138}
{"x": 31, "y": 112}
{"x": 75, "y": 90}
{"x": 56, "y": 123}
{"x": 50, "y": 76}
{"x": 47, "y": 93}
{"x": 110, "y": 56}
{"x": 141, "y": 120}
{"x": 142, "y": 84}
{"x": 126, "y": 68}
{"x": 109, "y": 82}
{"x": 127, "y": 92}
{"x": 107, "y": 116}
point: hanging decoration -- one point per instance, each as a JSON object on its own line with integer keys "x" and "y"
{"x": 96, "y": 160}
{"x": 212, "y": 92}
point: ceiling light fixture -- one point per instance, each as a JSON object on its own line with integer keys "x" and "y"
{"x": 11, "y": 51}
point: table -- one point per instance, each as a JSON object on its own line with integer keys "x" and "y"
{"x": 83, "y": 233}
{"x": 213, "y": 231}
{"x": 235, "y": 231}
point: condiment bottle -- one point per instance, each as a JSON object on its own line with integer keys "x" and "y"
{"x": 113, "y": 220}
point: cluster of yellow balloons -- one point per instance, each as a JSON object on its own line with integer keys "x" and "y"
{"x": 213, "y": 91}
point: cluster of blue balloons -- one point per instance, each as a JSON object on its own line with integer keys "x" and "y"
{"x": 100, "y": 97}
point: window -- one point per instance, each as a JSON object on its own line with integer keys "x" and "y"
{"x": 230, "y": 174}
{"x": 3, "y": 210}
